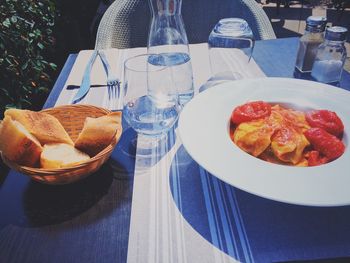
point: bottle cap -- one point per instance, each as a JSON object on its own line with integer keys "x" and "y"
{"x": 316, "y": 23}
{"x": 336, "y": 33}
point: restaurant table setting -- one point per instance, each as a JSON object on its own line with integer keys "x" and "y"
{"x": 151, "y": 178}
{"x": 179, "y": 211}
{"x": 185, "y": 192}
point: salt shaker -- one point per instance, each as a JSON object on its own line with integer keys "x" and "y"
{"x": 330, "y": 56}
{"x": 309, "y": 42}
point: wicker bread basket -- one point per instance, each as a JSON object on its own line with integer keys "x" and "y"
{"x": 72, "y": 117}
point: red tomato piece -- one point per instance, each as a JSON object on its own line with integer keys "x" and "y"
{"x": 327, "y": 120}
{"x": 315, "y": 159}
{"x": 326, "y": 143}
{"x": 250, "y": 111}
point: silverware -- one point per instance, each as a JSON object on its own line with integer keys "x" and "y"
{"x": 113, "y": 83}
{"x": 71, "y": 87}
{"x": 85, "y": 84}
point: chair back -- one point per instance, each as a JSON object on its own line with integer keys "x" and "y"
{"x": 125, "y": 23}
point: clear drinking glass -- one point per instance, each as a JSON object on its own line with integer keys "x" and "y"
{"x": 150, "y": 97}
{"x": 167, "y": 39}
{"x": 230, "y": 44}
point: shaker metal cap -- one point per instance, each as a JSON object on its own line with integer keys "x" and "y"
{"x": 336, "y": 33}
{"x": 316, "y": 23}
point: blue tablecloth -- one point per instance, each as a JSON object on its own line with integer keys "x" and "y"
{"x": 254, "y": 229}
{"x": 89, "y": 221}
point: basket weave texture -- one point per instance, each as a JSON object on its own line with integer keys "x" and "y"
{"x": 72, "y": 118}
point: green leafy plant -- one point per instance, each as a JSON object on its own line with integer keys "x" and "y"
{"x": 26, "y": 41}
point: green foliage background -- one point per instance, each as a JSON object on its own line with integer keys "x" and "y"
{"x": 26, "y": 41}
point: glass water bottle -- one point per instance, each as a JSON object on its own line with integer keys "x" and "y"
{"x": 309, "y": 42}
{"x": 330, "y": 56}
{"x": 168, "y": 43}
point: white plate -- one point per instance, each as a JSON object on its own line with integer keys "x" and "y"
{"x": 204, "y": 126}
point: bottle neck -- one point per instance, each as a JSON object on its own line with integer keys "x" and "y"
{"x": 165, "y": 7}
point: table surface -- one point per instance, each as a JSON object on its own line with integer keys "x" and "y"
{"x": 89, "y": 221}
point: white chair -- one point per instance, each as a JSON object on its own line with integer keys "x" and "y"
{"x": 125, "y": 23}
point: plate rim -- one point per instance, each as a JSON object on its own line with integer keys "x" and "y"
{"x": 266, "y": 80}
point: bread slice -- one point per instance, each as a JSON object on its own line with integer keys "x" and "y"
{"x": 18, "y": 145}
{"x": 98, "y": 133}
{"x": 60, "y": 155}
{"x": 45, "y": 127}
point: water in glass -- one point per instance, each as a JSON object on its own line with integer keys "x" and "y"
{"x": 181, "y": 73}
{"x": 167, "y": 39}
{"x": 150, "y": 98}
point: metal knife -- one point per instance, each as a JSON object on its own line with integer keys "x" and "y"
{"x": 85, "y": 84}
{"x": 71, "y": 87}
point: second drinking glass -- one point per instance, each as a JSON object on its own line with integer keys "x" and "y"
{"x": 230, "y": 44}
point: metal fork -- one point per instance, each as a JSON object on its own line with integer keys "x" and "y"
{"x": 113, "y": 83}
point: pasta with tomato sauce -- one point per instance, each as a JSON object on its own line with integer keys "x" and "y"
{"x": 286, "y": 136}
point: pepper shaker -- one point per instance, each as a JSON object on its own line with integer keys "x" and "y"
{"x": 330, "y": 57}
{"x": 309, "y": 42}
